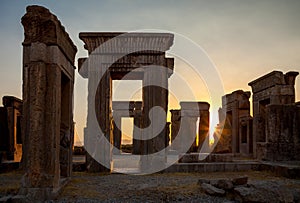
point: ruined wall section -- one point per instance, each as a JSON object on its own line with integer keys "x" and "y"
{"x": 282, "y": 134}
{"x": 48, "y": 80}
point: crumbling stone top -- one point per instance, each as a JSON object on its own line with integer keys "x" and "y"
{"x": 11, "y": 101}
{"x": 272, "y": 79}
{"x": 238, "y": 95}
{"x": 125, "y": 42}
{"x": 42, "y": 26}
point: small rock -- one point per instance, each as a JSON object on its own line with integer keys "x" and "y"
{"x": 240, "y": 180}
{"x": 211, "y": 190}
{"x": 202, "y": 180}
{"x": 224, "y": 184}
{"x": 263, "y": 192}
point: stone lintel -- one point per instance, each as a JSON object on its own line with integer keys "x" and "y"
{"x": 42, "y": 26}
{"x": 272, "y": 79}
{"x": 123, "y": 105}
{"x": 38, "y": 52}
{"x": 127, "y": 105}
{"x": 130, "y": 63}
{"x": 126, "y": 43}
{"x": 201, "y": 106}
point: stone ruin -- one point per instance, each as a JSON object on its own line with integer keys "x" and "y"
{"x": 276, "y": 116}
{"x": 42, "y": 125}
{"x": 120, "y": 110}
{"x": 125, "y": 63}
{"x": 47, "y": 123}
{"x": 234, "y": 133}
{"x": 10, "y": 129}
{"x": 189, "y": 113}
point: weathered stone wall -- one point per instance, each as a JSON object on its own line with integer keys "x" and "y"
{"x": 234, "y": 133}
{"x": 48, "y": 80}
{"x": 283, "y": 134}
{"x": 272, "y": 88}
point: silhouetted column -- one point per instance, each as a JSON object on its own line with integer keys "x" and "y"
{"x": 175, "y": 126}
{"x": 203, "y": 127}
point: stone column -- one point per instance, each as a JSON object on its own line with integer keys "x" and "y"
{"x": 97, "y": 148}
{"x": 11, "y": 127}
{"x": 137, "y": 114}
{"x": 136, "y": 143}
{"x": 154, "y": 96}
{"x": 46, "y": 59}
{"x": 117, "y": 132}
{"x": 175, "y": 126}
{"x": 188, "y": 130}
{"x": 203, "y": 127}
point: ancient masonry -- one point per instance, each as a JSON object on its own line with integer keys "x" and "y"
{"x": 38, "y": 130}
{"x": 124, "y": 62}
{"x": 120, "y": 110}
{"x": 10, "y": 129}
{"x": 47, "y": 124}
{"x": 235, "y": 124}
{"x": 276, "y": 117}
{"x": 189, "y": 113}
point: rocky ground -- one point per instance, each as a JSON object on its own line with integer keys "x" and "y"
{"x": 168, "y": 187}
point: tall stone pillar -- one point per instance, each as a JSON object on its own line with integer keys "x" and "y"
{"x": 154, "y": 96}
{"x": 13, "y": 108}
{"x": 48, "y": 78}
{"x": 203, "y": 127}
{"x": 117, "y": 132}
{"x": 136, "y": 143}
{"x": 190, "y": 112}
{"x": 175, "y": 126}
{"x": 98, "y": 148}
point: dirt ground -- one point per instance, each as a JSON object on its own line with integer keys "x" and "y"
{"x": 165, "y": 187}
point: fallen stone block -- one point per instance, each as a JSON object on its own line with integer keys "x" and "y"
{"x": 263, "y": 192}
{"x": 211, "y": 190}
{"x": 224, "y": 184}
{"x": 202, "y": 180}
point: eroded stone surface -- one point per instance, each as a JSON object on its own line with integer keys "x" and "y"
{"x": 274, "y": 88}
{"x": 211, "y": 190}
{"x": 48, "y": 80}
{"x": 234, "y": 133}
